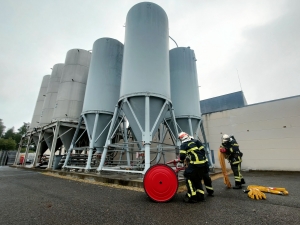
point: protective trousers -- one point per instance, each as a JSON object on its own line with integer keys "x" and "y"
{"x": 236, "y": 168}
{"x": 208, "y": 183}
{"x": 193, "y": 176}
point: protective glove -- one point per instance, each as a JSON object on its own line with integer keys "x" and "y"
{"x": 255, "y": 193}
{"x": 222, "y": 149}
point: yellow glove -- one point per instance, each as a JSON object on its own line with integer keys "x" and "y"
{"x": 255, "y": 193}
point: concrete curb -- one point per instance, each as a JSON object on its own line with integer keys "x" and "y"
{"x": 124, "y": 179}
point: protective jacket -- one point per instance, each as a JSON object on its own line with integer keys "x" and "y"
{"x": 193, "y": 151}
{"x": 233, "y": 153}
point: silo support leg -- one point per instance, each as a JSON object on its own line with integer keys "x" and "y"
{"x": 73, "y": 142}
{"x": 18, "y": 152}
{"x": 147, "y": 137}
{"x": 52, "y": 151}
{"x": 206, "y": 145}
{"x": 92, "y": 141}
{"x": 37, "y": 150}
{"x": 103, "y": 156}
{"x": 147, "y": 158}
{"x": 126, "y": 141}
{"x": 26, "y": 152}
{"x": 178, "y": 143}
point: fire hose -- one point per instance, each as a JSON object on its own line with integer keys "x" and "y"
{"x": 224, "y": 171}
{"x": 256, "y": 191}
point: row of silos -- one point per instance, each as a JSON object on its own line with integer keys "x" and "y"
{"x": 154, "y": 80}
{"x": 60, "y": 99}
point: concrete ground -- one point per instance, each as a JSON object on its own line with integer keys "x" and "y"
{"x": 30, "y": 197}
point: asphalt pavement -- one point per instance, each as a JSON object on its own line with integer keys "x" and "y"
{"x": 30, "y": 197}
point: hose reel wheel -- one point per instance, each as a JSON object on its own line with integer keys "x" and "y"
{"x": 160, "y": 183}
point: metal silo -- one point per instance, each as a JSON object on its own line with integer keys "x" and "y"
{"x": 34, "y": 133}
{"x": 184, "y": 90}
{"x": 145, "y": 82}
{"x": 39, "y": 103}
{"x": 50, "y": 101}
{"x": 185, "y": 93}
{"x": 38, "y": 112}
{"x": 102, "y": 92}
{"x": 71, "y": 92}
{"x": 51, "y": 94}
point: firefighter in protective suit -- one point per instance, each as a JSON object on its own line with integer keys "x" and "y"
{"x": 206, "y": 176}
{"x": 193, "y": 154}
{"x": 231, "y": 149}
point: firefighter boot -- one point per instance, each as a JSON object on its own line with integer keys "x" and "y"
{"x": 211, "y": 194}
{"x": 237, "y": 185}
{"x": 188, "y": 199}
{"x": 200, "y": 197}
{"x": 243, "y": 181}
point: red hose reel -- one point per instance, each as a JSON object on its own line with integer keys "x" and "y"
{"x": 161, "y": 182}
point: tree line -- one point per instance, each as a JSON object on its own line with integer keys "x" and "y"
{"x": 10, "y": 139}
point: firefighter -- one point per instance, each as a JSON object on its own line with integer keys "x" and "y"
{"x": 232, "y": 152}
{"x": 206, "y": 177}
{"x": 196, "y": 161}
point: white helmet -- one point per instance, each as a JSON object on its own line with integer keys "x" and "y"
{"x": 225, "y": 138}
{"x": 184, "y": 137}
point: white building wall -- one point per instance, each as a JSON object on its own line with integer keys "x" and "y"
{"x": 268, "y": 133}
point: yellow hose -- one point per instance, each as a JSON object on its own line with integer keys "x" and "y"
{"x": 224, "y": 171}
{"x": 273, "y": 190}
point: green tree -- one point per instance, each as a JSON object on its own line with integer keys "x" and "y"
{"x": 7, "y": 144}
{"x": 10, "y": 133}
{"x": 21, "y": 131}
{"x": 2, "y": 128}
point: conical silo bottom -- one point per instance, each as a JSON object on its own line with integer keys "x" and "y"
{"x": 67, "y": 136}
{"x": 35, "y": 139}
{"x": 102, "y": 127}
{"x": 184, "y": 125}
{"x": 138, "y": 104}
{"x": 43, "y": 146}
{"x": 48, "y": 137}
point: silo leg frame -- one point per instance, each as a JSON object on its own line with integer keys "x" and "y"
{"x": 73, "y": 143}
{"x": 147, "y": 131}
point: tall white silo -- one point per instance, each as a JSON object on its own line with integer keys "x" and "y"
{"x": 50, "y": 101}
{"x": 71, "y": 92}
{"x": 39, "y": 103}
{"x": 184, "y": 90}
{"x": 145, "y": 82}
{"x": 102, "y": 92}
{"x": 33, "y": 132}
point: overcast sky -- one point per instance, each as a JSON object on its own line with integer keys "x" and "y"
{"x": 256, "y": 42}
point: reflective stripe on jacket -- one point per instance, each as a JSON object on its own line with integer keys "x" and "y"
{"x": 193, "y": 150}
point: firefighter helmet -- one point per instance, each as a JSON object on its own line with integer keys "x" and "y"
{"x": 225, "y": 138}
{"x": 183, "y": 136}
